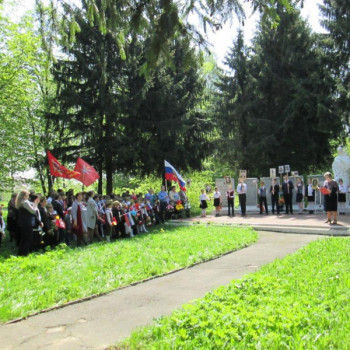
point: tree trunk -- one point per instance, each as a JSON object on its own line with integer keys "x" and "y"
{"x": 100, "y": 180}
{"x": 109, "y": 174}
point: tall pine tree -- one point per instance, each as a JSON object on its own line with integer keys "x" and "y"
{"x": 231, "y": 97}
{"x": 288, "y": 111}
{"x": 336, "y": 19}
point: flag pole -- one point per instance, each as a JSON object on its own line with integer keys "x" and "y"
{"x": 165, "y": 180}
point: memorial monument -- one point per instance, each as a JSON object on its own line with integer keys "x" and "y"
{"x": 341, "y": 166}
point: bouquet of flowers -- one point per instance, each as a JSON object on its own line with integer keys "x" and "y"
{"x": 179, "y": 206}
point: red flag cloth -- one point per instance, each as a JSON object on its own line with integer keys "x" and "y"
{"x": 88, "y": 174}
{"x": 58, "y": 170}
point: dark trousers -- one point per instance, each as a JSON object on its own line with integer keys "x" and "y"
{"x": 243, "y": 202}
{"x": 61, "y": 235}
{"x": 274, "y": 201}
{"x": 26, "y": 239}
{"x": 262, "y": 200}
{"x": 230, "y": 206}
{"x": 162, "y": 213}
{"x": 288, "y": 198}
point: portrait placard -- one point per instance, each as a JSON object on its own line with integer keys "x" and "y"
{"x": 243, "y": 174}
{"x": 295, "y": 173}
{"x": 227, "y": 180}
{"x": 287, "y": 168}
{"x": 314, "y": 183}
{"x": 280, "y": 169}
{"x": 272, "y": 173}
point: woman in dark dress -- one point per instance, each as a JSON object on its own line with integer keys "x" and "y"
{"x": 330, "y": 197}
{"x": 27, "y": 220}
{"x": 12, "y": 219}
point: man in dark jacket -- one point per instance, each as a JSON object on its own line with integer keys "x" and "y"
{"x": 287, "y": 189}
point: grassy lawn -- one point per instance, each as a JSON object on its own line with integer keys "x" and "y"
{"x": 299, "y": 302}
{"x": 29, "y": 284}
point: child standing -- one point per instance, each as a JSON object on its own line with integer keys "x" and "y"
{"x": 262, "y": 198}
{"x": 299, "y": 195}
{"x": 341, "y": 197}
{"x": 230, "y": 194}
{"x": 203, "y": 198}
{"x": 217, "y": 201}
{"x": 310, "y": 194}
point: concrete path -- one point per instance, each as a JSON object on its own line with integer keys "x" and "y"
{"x": 295, "y": 223}
{"x": 103, "y": 321}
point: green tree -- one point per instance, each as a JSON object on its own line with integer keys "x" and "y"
{"x": 291, "y": 120}
{"x": 336, "y": 19}
{"x": 287, "y": 109}
{"x": 231, "y": 105}
{"x": 121, "y": 120}
{"x": 19, "y": 62}
{"x": 166, "y": 115}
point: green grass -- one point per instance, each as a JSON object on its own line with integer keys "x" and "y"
{"x": 29, "y": 284}
{"x": 300, "y": 302}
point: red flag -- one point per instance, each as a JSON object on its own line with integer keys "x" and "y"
{"x": 58, "y": 170}
{"x": 88, "y": 174}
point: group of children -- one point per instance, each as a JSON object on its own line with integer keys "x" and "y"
{"x": 35, "y": 221}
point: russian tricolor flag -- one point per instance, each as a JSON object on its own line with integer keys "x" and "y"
{"x": 173, "y": 175}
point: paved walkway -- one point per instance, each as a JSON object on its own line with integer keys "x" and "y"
{"x": 303, "y": 223}
{"x": 105, "y": 320}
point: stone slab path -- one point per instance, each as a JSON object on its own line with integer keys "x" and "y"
{"x": 105, "y": 320}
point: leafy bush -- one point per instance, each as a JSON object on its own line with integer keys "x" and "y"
{"x": 29, "y": 284}
{"x": 300, "y": 302}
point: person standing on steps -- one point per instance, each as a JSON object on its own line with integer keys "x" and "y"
{"x": 217, "y": 201}
{"x": 242, "y": 196}
{"x": 341, "y": 197}
{"x": 310, "y": 194}
{"x": 287, "y": 189}
{"x": 330, "y": 197}
{"x": 300, "y": 195}
{"x": 203, "y": 198}
{"x": 262, "y": 198}
{"x": 230, "y": 194}
{"x": 274, "y": 190}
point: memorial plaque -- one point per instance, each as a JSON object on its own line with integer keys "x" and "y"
{"x": 243, "y": 173}
{"x": 252, "y": 194}
{"x": 272, "y": 173}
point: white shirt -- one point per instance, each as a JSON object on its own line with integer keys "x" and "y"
{"x": 203, "y": 197}
{"x": 310, "y": 190}
{"x": 342, "y": 188}
{"x": 242, "y": 188}
{"x": 217, "y": 194}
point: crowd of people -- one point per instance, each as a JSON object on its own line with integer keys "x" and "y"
{"x": 35, "y": 222}
{"x": 282, "y": 197}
